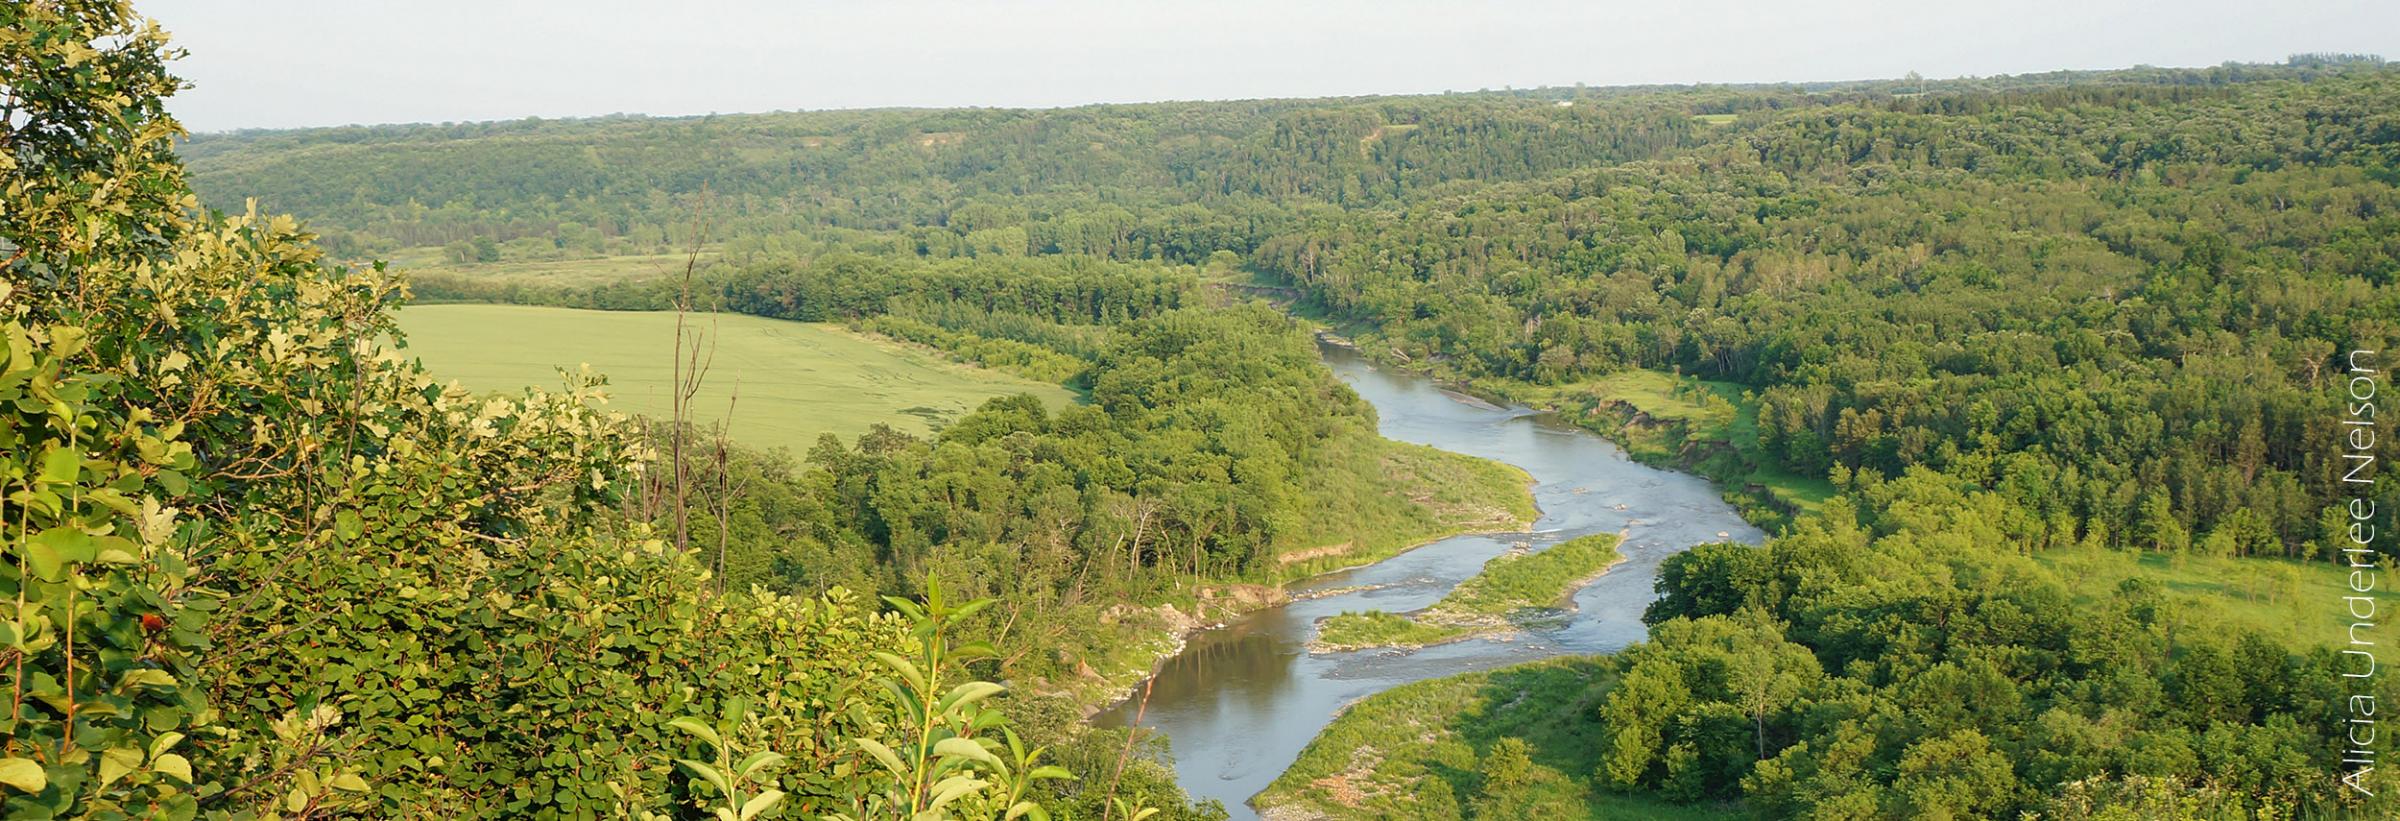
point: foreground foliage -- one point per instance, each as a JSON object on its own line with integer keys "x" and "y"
{"x": 263, "y": 566}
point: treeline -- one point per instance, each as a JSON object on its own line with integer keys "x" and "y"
{"x": 1103, "y": 179}
{"x": 839, "y": 285}
{"x": 1044, "y": 318}
{"x": 1169, "y": 181}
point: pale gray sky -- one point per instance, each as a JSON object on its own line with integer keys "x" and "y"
{"x": 277, "y": 63}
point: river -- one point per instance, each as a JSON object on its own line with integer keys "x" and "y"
{"x": 1241, "y": 701}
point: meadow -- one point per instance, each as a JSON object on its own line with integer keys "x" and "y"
{"x": 560, "y": 273}
{"x": 2297, "y": 603}
{"x": 796, "y": 380}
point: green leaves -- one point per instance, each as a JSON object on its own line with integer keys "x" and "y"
{"x": 964, "y": 749}
{"x": 909, "y": 674}
{"x": 98, "y": 687}
{"x": 758, "y": 763}
{"x": 348, "y": 525}
{"x": 23, "y": 774}
{"x": 698, "y": 729}
{"x": 732, "y": 780}
{"x": 884, "y": 755}
{"x": 116, "y": 762}
{"x": 968, "y": 694}
{"x": 53, "y": 551}
{"x": 760, "y": 804}
{"x": 60, "y": 465}
{"x": 180, "y": 769}
{"x": 953, "y": 748}
{"x": 709, "y": 773}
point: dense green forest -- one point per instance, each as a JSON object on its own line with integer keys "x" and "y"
{"x": 266, "y": 565}
{"x": 2135, "y": 280}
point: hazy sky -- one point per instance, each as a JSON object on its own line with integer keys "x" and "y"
{"x": 274, "y": 63}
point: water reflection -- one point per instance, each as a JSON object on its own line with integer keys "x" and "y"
{"x": 1240, "y": 702}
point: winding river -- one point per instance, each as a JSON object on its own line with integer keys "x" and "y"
{"x": 1240, "y": 702}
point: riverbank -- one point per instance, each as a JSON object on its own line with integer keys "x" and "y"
{"x": 1432, "y": 495}
{"x": 1705, "y": 428}
{"x": 1698, "y": 426}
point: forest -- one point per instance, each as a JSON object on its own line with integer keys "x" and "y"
{"x": 265, "y": 564}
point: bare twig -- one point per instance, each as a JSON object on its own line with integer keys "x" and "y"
{"x": 689, "y": 373}
{"x": 1131, "y": 730}
{"x": 727, "y": 488}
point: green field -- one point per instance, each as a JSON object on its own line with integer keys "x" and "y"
{"x": 549, "y": 273}
{"x": 797, "y": 380}
{"x": 1419, "y": 751}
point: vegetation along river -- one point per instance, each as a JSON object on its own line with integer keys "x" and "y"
{"x": 1240, "y": 702}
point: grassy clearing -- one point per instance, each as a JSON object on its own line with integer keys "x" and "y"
{"x": 2296, "y": 602}
{"x": 1715, "y": 119}
{"x": 1511, "y": 589}
{"x": 1417, "y": 751}
{"x": 1532, "y": 580}
{"x": 1400, "y": 495}
{"x": 797, "y": 380}
{"x": 1376, "y": 628}
{"x": 551, "y": 273}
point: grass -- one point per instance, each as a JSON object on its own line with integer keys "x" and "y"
{"x": 1393, "y": 496}
{"x": 1376, "y": 628}
{"x": 2299, "y": 603}
{"x": 1512, "y": 588}
{"x": 1715, "y": 119}
{"x": 796, "y": 380}
{"x": 1516, "y": 582}
{"x": 553, "y": 273}
{"x": 1415, "y": 751}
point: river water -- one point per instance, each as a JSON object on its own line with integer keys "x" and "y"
{"x": 1239, "y": 702}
